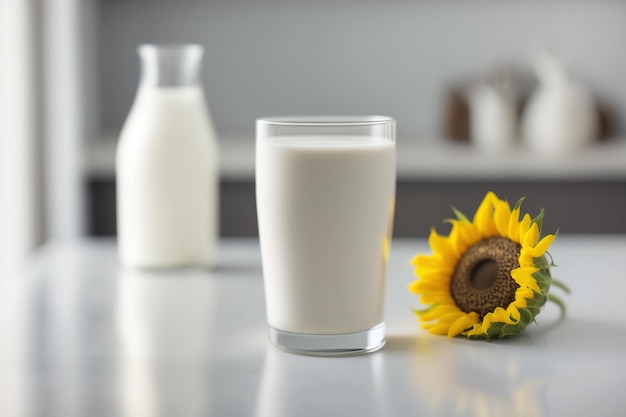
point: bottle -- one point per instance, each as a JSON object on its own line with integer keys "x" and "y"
{"x": 167, "y": 165}
{"x": 561, "y": 116}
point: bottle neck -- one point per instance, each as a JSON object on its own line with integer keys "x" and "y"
{"x": 170, "y": 65}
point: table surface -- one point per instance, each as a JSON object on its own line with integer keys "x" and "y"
{"x": 81, "y": 337}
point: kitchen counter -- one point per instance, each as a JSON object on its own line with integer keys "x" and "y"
{"x": 81, "y": 337}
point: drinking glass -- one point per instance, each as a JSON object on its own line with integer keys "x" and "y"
{"x": 325, "y": 202}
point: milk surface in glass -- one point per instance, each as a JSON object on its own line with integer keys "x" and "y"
{"x": 325, "y": 207}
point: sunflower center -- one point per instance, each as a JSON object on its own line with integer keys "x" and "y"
{"x": 482, "y": 278}
{"x": 484, "y": 274}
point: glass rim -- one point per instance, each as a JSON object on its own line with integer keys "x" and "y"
{"x": 322, "y": 121}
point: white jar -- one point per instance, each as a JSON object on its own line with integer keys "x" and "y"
{"x": 561, "y": 116}
{"x": 167, "y": 165}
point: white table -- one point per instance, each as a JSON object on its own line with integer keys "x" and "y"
{"x": 80, "y": 337}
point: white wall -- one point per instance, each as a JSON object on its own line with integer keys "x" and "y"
{"x": 20, "y": 128}
{"x": 69, "y": 28}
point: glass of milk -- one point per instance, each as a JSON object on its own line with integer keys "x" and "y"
{"x": 325, "y": 189}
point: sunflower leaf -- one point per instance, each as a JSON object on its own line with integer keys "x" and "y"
{"x": 552, "y": 264}
{"x": 539, "y": 220}
{"x": 494, "y": 330}
{"x": 459, "y": 214}
{"x": 519, "y": 203}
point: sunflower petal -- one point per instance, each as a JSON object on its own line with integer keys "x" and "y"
{"x": 441, "y": 245}
{"x": 463, "y": 323}
{"x": 501, "y": 217}
{"x": 437, "y": 312}
{"x": 483, "y": 218}
{"x": 531, "y": 237}
{"x": 514, "y": 225}
{"x": 486, "y": 324}
{"x": 542, "y": 246}
{"x": 421, "y": 286}
{"x": 513, "y": 312}
{"x": 525, "y": 257}
{"x": 466, "y": 235}
{"x": 430, "y": 275}
{"x": 476, "y": 330}
{"x": 438, "y": 328}
{"x": 434, "y": 262}
{"x": 501, "y": 315}
{"x": 524, "y": 226}
{"x": 524, "y": 277}
{"x": 522, "y": 295}
{"x": 437, "y": 297}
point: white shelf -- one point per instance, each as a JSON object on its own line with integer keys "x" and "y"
{"x": 445, "y": 160}
{"x": 423, "y": 159}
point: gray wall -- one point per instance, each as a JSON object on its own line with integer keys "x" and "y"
{"x": 390, "y": 57}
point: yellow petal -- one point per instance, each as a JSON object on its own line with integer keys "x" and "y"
{"x": 437, "y": 297}
{"x": 438, "y": 312}
{"x": 524, "y": 226}
{"x": 523, "y": 276}
{"x": 542, "y": 246}
{"x": 531, "y": 237}
{"x": 501, "y": 217}
{"x": 429, "y": 274}
{"x": 522, "y": 294}
{"x": 513, "y": 312}
{"x": 486, "y": 324}
{"x": 476, "y": 330}
{"x": 435, "y": 262}
{"x": 521, "y": 302}
{"x": 499, "y": 315}
{"x": 414, "y": 287}
{"x": 438, "y": 328}
{"x": 423, "y": 286}
{"x": 463, "y": 323}
{"x": 441, "y": 245}
{"x": 526, "y": 258}
{"x": 424, "y": 271}
{"x": 483, "y": 219}
{"x": 443, "y": 323}
{"x": 457, "y": 242}
{"x": 514, "y": 225}
{"x": 463, "y": 235}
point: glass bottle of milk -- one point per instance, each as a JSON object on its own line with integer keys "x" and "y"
{"x": 167, "y": 165}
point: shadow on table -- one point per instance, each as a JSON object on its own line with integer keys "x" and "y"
{"x": 401, "y": 343}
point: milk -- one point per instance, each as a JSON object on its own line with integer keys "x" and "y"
{"x": 325, "y": 210}
{"x": 167, "y": 180}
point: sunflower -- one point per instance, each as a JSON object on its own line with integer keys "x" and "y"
{"x": 489, "y": 277}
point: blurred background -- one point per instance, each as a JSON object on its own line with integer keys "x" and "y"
{"x": 69, "y": 72}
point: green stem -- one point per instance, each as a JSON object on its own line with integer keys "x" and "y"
{"x": 556, "y": 300}
{"x": 561, "y": 285}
